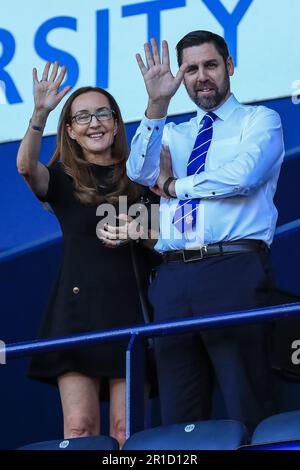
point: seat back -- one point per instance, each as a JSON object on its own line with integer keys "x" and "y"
{"x": 278, "y": 445}
{"x": 280, "y": 427}
{"x": 201, "y": 435}
{"x": 77, "y": 443}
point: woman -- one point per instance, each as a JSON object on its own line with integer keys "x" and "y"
{"x": 96, "y": 288}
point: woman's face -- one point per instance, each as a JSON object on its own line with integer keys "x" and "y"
{"x": 95, "y": 137}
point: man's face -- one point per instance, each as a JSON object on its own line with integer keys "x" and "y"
{"x": 207, "y": 76}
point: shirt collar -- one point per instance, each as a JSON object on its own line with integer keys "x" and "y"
{"x": 223, "y": 112}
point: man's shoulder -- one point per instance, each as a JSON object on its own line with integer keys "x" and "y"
{"x": 248, "y": 115}
{"x": 257, "y": 110}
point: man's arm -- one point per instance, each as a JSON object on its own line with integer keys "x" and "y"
{"x": 143, "y": 162}
{"x": 161, "y": 85}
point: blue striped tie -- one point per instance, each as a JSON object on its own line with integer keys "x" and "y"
{"x": 185, "y": 212}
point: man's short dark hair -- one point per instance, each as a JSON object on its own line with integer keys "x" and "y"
{"x": 197, "y": 38}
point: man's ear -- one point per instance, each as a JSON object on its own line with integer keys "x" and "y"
{"x": 230, "y": 66}
{"x": 70, "y": 131}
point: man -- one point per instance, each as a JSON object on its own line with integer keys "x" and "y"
{"x": 217, "y": 211}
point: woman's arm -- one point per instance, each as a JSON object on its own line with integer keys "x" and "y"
{"x": 46, "y": 98}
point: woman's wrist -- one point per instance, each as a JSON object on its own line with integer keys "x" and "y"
{"x": 39, "y": 118}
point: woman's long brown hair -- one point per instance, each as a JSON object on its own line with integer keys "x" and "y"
{"x": 70, "y": 154}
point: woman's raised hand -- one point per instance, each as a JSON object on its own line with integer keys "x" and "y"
{"x": 46, "y": 94}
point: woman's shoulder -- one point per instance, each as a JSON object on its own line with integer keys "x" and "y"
{"x": 58, "y": 171}
{"x": 59, "y": 181}
{"x": 56, "y": 167}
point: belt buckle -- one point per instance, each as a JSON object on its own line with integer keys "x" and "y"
{"x": 202, "y": 253}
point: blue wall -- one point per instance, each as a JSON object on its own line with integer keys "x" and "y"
{"x": 23, "y": 220}
{"x": 30, "y": 411}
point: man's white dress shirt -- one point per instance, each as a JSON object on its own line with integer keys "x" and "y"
{"x": 239, "y": 181}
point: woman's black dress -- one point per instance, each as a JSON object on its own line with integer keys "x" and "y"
{"x": 96, "y": 288}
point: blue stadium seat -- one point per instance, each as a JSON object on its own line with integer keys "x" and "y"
{"x": 201, "y": 435}
{"x": 77, "y": 443}
{"x": 280, "y": 427}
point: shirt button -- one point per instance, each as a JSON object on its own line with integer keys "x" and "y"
{"x": 143, "y": 156}
{"x": 76, "y": 290}
{"x": 149, "y": 128}
{"x": 156, "y": 128}
{"x": 213, "y": 193}
{"x": 186, "y": 195}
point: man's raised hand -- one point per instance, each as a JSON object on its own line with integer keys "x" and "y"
{"x": 161, "y": 85}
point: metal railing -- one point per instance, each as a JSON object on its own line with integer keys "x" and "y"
{"x": 136, "y": 335}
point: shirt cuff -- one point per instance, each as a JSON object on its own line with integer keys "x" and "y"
{"x": 148, "y": 126}
{"x": 184, "y": 187}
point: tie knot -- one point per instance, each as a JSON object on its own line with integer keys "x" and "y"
{"x": 209, "y": 119}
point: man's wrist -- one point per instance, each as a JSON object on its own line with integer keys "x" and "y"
{"x": 172, "y": 190}
{"x": 169, "y": 187}
{"x": 157, "y": 109}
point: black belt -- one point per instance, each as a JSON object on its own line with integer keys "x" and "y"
{"x": 238, "y": 246}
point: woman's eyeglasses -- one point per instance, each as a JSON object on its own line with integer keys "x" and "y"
{"x": 102, "y": 114}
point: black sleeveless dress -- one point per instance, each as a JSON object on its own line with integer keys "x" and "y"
{"x": 96, "y": 288}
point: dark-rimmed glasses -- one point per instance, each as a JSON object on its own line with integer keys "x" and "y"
{"x": 102, "y": 114}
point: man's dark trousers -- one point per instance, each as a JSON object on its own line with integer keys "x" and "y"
{"x": 238, "y": 356}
